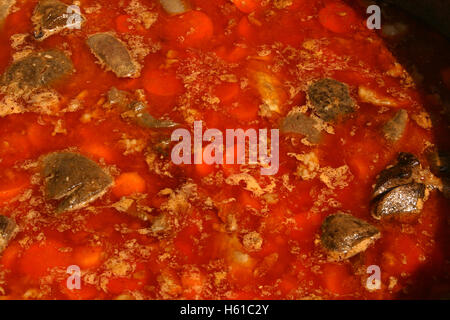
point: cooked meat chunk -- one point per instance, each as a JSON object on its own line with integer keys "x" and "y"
{"x": 403, "y": 172}
{"x": 297, "y": 122}
{"x": 330, "y": 99}
{"x": 5, "y": 6}
{"x": 8, "y": 230}
{"x": 393, "y": 129}
{"x": 50, "y": 17}
{"x": 403, "y": 202}
{"x": 344, "y": 236}
{"x": 146, "y": 120}
{"x": 36, "y": 70}
{"x": 174, "y": 7}
{"x": 73, "y": 178}
{"x": 113, "y": 54}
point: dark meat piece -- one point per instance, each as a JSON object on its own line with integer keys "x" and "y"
{"x": 403, "y": 172}
{"x": 393, "y": 129}
{"x": 344, "y": 236}
{"x": 113, "y": 54}
{"x": 8, "y": 230}
{"x": 50, "y": 17}
{"x": 5, "y": 6}
{"x": 73, "y": 178}
{"x": 37, "y": 70}
{"x": 146, "y": 120}
{"x": 330, "y": 99}
{"x": 297, "y": 122}
{"x": 402, "y": 203}
{"x": 174, "y": 7}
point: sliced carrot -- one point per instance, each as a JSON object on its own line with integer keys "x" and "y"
{"x": 12, "y": 184}
{"x": 41, "y": 256}
{"x": 191, "y": 29}
{"x": 129, "y": 183}
{"x": 245, "y": 29}
{"x": 38, "y": 135}
{"x": 227, "y": 92}
{"x": 88, "y": 257}
{"x": 123, "y": 23}
{"x": 98, "y": 151}
{"x": 10, "y": 254}
{"x": 338, "y": 17}
{"x": 246, "y": 6}
{"x": 162, "y": 83}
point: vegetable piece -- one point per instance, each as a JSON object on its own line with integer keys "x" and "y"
{"x": 174, "y": 7}
{"x": 191, "y": 29}
{"x": 8, "y": 230}
{"x": 297, "y": 122}
{"x": 344, "y": 236}
{"x": 394, "y": 129}
{"x": 123, "y": 24}
{"x": 128, "y": 183}
{"x": 113, "y": 53}
{"x": 38, "y": 259}
{"x": 246, "y": 6}
{"x": 338, "y": 18}
{"x": 270, "y": 90}
{"x": 73, "y": 178}
{"x": 162, "y": 83}
{"x": 37, "y": 69}
{"x": 371, "y": 96}
{"x": 330, "y": 99}
{"x": 51, "y": 17}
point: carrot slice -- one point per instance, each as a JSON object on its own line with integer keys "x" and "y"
{"x": 129, "y": 183}
{"x": 123, "y": 23}
{"x": 41, "y": 256}
{"x": 12, "y": 184}
{"x": 246, "y": 6}
{"x": 88, "y": 257}
{"x": 162, "y": 83}
{"x": 338, "y": 17}
{"x": 227, "y": 92}
{"x": 191, "y": 29}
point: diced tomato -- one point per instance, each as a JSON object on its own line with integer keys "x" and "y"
{"x": 338, "y": 17}
{"x": 191, "y": 29}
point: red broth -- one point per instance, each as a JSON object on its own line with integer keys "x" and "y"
{"x": 199, "y": 66}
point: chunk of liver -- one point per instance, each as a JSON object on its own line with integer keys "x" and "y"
{"x": 8, "y": 230}
{"x": 330, "y": 99}
{"x": 394, "y": 129}
{"x": 38, "y": 69}
{"x": 113, "y": 54}
{"x": 50, "y": 17}
{"x": 73, "y": 179}
{"x": 402, "y": 203}
{"x": 344, "y": 236}
{"x": 297, "y": 122}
